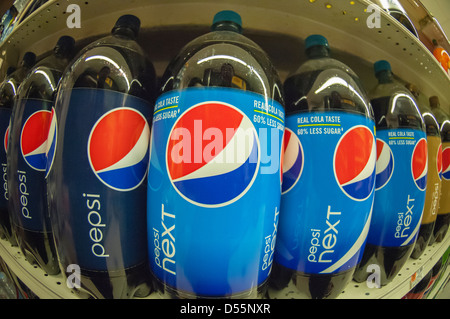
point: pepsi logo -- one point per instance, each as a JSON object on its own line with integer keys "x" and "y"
{"x": 419, "y": 164}
{"x": 51, "y": 141}
{"x": 439, "y": 161}
{"x": 385, "y": 164}
{"x": 354, "y": 163}
{"x": 33, "y": 139}
{"x": 293, "y": 161}
{"x": 212, "y": 154}
{"x": 446, "y": 163}
{"x": 5, "y": 139}
{"x": 118, "y": 148}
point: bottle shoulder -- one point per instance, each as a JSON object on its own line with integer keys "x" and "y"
{"x": 395, "y": 107}
{"x": 224, "y": 59}
{"x": 112, "y": 63}
{"x": 326, "y": 84}
{"x": 324, "y": 63}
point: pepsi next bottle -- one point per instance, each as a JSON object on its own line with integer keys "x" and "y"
{"x": 328, "y": 178}
{"x": 8, "y": 92}
{"x": 443, "y": 217}
{"x": 98, "y": 163}
{"x": 27, "y": 159}
{"x": 433, "y": 187}
{"x": 401, "y": 178}
{"x": 214, "y": 178}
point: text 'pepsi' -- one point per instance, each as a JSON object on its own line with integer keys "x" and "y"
{"x": 443, "y": 217}
{"x": 328, "y": 178}
{"x": 401, "y": 177}
{"x": 97, "y": 164}
{"x": 433, "y": 180}
{"x": 212, "y": 165}
{"x": 214, "y": 178}
{"x": 8, "y": 94}
{"x": 27, "y": 156}
{"x": 391, "y": 146}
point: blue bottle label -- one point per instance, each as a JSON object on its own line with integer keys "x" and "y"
{"x": 30, "y": 199}
{"x": 214, "y": 189}
{"x": 400, "y": 187}
{"x": 5, "y": 115}
{"x": 97, "y": 164}
{"x": 328, "y": 187}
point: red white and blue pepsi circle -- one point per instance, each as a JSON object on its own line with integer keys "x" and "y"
{"x": 212, "y": 154}
{"x": 51, "y": 141}
{"x": 354, "y": 162}
{"x": 5, "y": 139}
{"x": 446, "y": 163}
{"x": 293, "y": 160}
{"x": 118, "y": 148}
{"x": 33, "y": 139}
{"x": 385, "y": 164}
{"x": 419, "y": 164}
{"x": 439, "y": 161}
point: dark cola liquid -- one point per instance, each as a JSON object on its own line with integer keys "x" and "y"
{"x": 441, "y": 227}
{"x": 296, "y": 88}
{"x": 36, "y": 242}
{"x": 112, "y": 72}
{"x": 7, "y": 93}
{"x": 390, "y": 259}
{"x": 423, "y": 238}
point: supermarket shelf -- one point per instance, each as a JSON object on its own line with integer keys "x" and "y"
{"x": 54, "y": 287}
{"x": 437, "y": 292}
{"x": 410, "y": 274}
{"x": 43, "y": 285}
{"x": 443, "y": 290}
{"x": 427, "y": 26}
{"x": 280, "y": 27}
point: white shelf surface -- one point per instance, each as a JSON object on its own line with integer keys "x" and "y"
{"x": 43, "y": 285}
{"x": 54, "y": 286}
{"x": 407, "y": 278}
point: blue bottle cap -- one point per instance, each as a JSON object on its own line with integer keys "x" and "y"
{"x": 227, "y": 16}
{"x": 316, "y": 39}
{"x": 381, "y": 65}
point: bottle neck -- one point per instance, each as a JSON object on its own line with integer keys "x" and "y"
{"x": 384, "y": 77}
{"x": 317, "y": 51}
{"x": 125, "y": 32}
{"x": 227, "y": 26}
{"x": 63, "y": 53}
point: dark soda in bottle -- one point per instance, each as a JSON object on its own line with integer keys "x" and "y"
{"x": 98, "y": 162}
{"x": 27, "y": 157}
{"x": 443, "y": 217}
{"x": 400, "y": 181}
{"x": 8, "y": 91}
{"x": 214, "y": 177}
{"x": 6, "y": 104}
{"x": 328, "y": 178}
{"x": 433, "y": 191}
